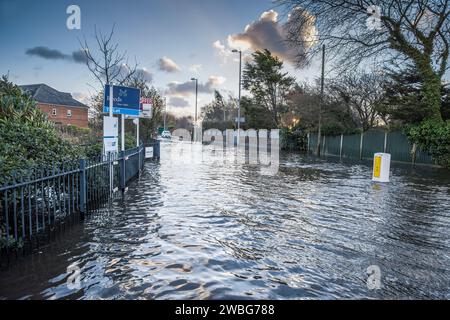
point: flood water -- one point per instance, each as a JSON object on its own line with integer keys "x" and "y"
{"x": 204, "y": 230}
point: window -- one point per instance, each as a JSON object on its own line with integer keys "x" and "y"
{"x": 69, "y": 113}
{"x": 54, "y": 112}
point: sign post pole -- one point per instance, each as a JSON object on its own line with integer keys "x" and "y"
{"x": 111, "y": 100}
{"x": 124, "y": 160}
{"x": 122, "y": 124}
{"x": 111, "y": 158}
{"x": 137, "y": 132}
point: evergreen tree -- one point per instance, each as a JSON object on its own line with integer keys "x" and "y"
{"x": 269, "y": 85}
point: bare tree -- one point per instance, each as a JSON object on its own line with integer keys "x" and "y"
{"x": 148, "y": 126}
{"x": 361, "y": 93}
{"x": 337, "y": 117}
{"x": 108, "y": 65}
{"x": 378, "y": 32}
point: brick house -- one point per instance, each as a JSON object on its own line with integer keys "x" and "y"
{"x": 60, "y": 107}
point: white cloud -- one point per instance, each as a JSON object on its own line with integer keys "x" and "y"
{"x": 168, "y": 65}
{"x": 269, "y": 33}
{"x": 222, "y": 51}
{"x": 226, "y": 53}
{"x": 220, "y": 48}
{"x": 215, "y": 81}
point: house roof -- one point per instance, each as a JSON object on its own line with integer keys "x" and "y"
{"x": 45, "y": 94}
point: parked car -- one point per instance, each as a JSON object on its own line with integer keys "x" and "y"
{"x": 166, "y": 135}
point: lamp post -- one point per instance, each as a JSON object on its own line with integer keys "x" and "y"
{"x": 196, "y": 103}
{"x": 319, "y": 133}
{"x": 239, "y": 98}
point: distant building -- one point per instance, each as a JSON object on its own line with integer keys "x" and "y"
{"x": 60, "y": 107}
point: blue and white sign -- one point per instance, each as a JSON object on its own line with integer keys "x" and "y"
{"x": 126, "y": 101}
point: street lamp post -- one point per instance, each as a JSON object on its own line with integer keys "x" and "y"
{"x": 239, "y": 98}
{"x": 196, "y": 103}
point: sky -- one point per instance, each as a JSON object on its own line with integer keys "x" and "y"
{"x": 172, "y": 40}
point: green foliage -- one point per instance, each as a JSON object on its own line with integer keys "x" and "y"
{"x": 27, "y": 138}
{"x": 293, "y": 139}
{"x": 445, "y": 109}
{"x": 335, "y": 128}
{"x": 403, "y": 100}
{"x": 256, "y": 116}
{"x": 433, "y": 136}
{"x": 220, "y": 113}
{"x": 148, "y": 127}
{"x": 431, "y": 87}
{"x": 10, "y": 243}
{"x": 269, "y": 85}
{"x": 93, "y": 147}
{"x": 76, "y": 131}
{"x": 406, "y": 100}
{"x": 304, "y": 102}
{"x": 130, "y": 141}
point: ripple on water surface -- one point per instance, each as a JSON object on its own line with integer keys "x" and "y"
{"x": 213, "y": 231}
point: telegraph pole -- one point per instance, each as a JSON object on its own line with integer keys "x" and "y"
{"x": 322, "y": 82}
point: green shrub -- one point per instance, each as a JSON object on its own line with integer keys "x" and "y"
{"x": 93, "y": 147}
{"x": 334, "y": 128}
{"x": 130, "y": 141}
{"x": 433, "y": 136}
{"x": 27, "y": 138}
{"x": 293, "y": 139}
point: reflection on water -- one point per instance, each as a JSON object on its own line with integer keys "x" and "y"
{"x": 203, "y": 230}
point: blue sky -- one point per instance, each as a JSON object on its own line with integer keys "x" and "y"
{"x": 194, "y": 34}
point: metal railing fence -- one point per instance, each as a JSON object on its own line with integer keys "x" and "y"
{"x": 36, "y": 203}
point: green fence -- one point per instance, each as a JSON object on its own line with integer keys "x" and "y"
{"x": 364, "y": 146}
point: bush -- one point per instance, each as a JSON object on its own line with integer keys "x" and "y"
{"x": 293, "y": 140}
{"x": 93, "y": 148}
{"x": 334, "y": 128}
{"x": 434, "y": 137}
{"x": 130, "y": 141}
{"x": 27, "y": 138}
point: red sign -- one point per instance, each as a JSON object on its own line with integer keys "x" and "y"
{"x": 146, "y": 101}
{"x": 146, "y": 108}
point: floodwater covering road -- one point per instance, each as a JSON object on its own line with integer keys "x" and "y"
{"x": 205, "y": 230}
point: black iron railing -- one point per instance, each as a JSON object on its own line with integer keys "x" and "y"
{"x": 36, "y": 203}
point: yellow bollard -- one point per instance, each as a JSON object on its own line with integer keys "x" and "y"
{"x": 381, "y": 167}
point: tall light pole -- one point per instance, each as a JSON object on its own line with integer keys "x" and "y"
{"x": 196, "y": 103}
{"x": 322, "y": 81}
{"x": 240, "y": 84}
